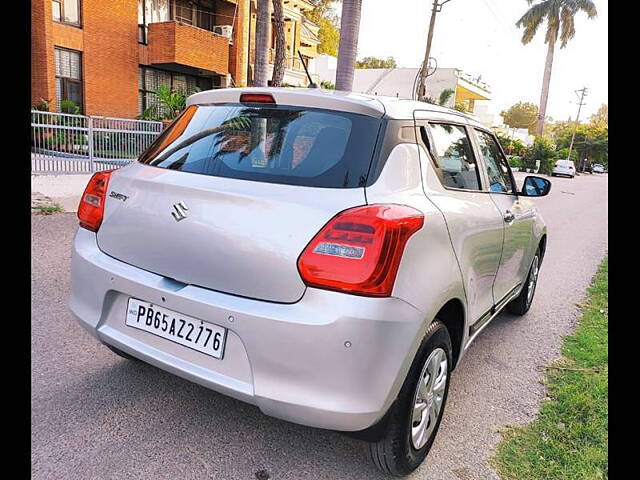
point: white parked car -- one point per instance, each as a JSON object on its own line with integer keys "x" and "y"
{"x": 564, "y": 167}
{"x": 597, "y": 168}
{"x": 328, "y": 257}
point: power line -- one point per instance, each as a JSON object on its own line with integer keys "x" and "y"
{"x": 499, "y": 20}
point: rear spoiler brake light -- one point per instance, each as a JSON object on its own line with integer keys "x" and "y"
{"x": 257, "y": 98}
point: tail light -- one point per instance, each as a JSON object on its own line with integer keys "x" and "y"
{"x": 359, "y": 250}
{"x": 91, "y": 208}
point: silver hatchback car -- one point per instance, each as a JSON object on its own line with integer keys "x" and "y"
{"x": 326, "y": 256}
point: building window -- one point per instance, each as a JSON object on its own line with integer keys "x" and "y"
{"x": 184, "y": 12}
{"x": 151, "y": 11}
{"x": 68, "y": 77}
{"x": 150, "y": 79}
{"x": 66, "y": 11}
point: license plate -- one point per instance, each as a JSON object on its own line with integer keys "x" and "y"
{"x": 188, "y": 331}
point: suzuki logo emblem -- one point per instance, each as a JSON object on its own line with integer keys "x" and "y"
{"x": 180, "y": 211}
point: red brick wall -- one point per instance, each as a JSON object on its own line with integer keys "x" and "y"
{"x": 238, "y": 52}
{"x": 111, "y": 54}
{"x": 67, "y": 36}
{"x": 110, "y": 57}
{"x": 170, "y": 42}
{"x": 42, "y": 60}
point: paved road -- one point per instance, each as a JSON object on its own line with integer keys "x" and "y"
{"x": 95, "y": 415}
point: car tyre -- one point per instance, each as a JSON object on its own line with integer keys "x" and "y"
{"x": 418, "y": 410}
{"x": 122, "y": 354}
{"x": 522, "y": 303}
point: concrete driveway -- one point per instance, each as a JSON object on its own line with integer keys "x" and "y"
{"x": 95, "y": 415}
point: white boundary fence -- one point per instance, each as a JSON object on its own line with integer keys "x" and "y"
{"x": 63, "y": 143}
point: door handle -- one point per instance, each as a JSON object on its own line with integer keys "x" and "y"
{"x": 509, "y": 216}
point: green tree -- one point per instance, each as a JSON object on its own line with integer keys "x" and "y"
{"x": 373, "y": 62}
{"x": 544, "y": 150}
{"x": 563, "y": 153}
{"x": 560, "y": 19}
{"x": 43, "y": 105}
{"x": 171, "y": 102}
{"x": 324, "y": 16}
{"x": 461, "y": 107}
{"x": 591, "y": 142}
{"x": 512, "y": 146}
{"x": 601, "y": 117}
{"x": 445, "y": 95}
{"x": 521, "y": 115}
{"x": 69, "y": 106}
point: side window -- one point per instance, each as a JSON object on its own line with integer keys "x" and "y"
{"x": 495, "y": 163}
{"x": 454, "y": 157}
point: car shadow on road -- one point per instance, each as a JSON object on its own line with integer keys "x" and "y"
{"x": 216, "y": 435}
{"x": 226, "y": 437}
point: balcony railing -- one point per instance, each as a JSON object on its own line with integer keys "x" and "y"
{"x": 219, "y": 22}
{"x": 290, "y": 62}
{"x": 475, "y": 82}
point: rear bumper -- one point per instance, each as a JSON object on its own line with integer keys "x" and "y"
{"x": 564, "y": 171}
{"x": 290, "y": 360}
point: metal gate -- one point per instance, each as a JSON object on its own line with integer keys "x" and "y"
{"x": 64, "y": 143}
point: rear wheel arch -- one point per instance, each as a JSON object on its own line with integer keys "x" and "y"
{"x": 542, "y": 246}
{"x": 452, "y": 315}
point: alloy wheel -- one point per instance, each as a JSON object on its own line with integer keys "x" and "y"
{"x": 428, "y": 399}
{"x": 533, "y": 279}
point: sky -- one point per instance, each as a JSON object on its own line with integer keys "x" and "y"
{"x": 480, "y": 38}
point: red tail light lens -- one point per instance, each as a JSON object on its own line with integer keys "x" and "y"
{"x": 359, "y": 250}
{"x": 256, "y": 98}
{"x": 91, "y": 208}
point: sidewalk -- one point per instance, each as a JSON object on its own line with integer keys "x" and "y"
{"x": 65, "y": 190}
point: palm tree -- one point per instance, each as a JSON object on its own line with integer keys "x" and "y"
{"x": 281, "y": 44}
{"x": 347, "y": 49}
{"x": 560, "y": 15}
{"x": 263, "y": 20}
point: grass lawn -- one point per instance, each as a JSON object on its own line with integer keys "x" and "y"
{"x": 568, "y": 440}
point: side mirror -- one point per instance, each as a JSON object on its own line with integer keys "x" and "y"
{"x": 535, "y": 187}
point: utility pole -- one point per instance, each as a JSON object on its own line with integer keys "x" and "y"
{"x": 422, "y": 87}
{"x": 583, "y": 93}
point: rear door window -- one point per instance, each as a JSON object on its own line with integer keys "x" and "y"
{"x": 456, "y": 164}
{"x": 275, "y": 144}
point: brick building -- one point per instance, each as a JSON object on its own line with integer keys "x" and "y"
{"x": 109, "y": 57}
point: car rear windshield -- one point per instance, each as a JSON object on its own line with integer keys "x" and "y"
{"x": 564, "y": 163}
{"x": 269, "y": 143}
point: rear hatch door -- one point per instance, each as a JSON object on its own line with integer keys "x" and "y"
{"x": 233, "y": 209}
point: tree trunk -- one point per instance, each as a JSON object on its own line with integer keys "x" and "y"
{"x": 263, "y": 20}
{"x": 544, "y": 94}
{"x": 281, "y": 45}
{"x": 347, "y": 50}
